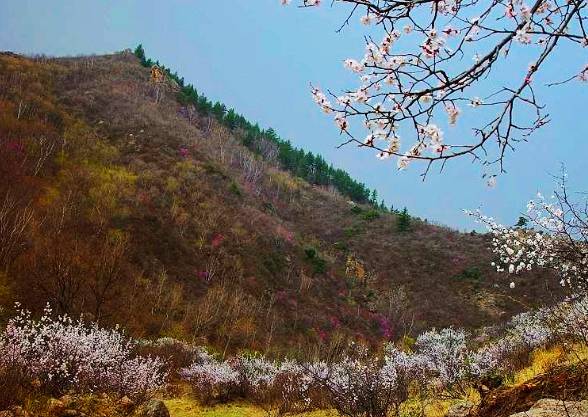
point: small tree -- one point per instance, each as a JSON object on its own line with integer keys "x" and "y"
{"x": 403, "y": 221}
{"x": 522, "y": 222}
{"x": 140, "y": 53}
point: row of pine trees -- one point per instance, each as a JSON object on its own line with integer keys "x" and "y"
{"x": 306, "y": 165}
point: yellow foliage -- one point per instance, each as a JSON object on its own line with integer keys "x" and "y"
{"x": 172, "y": 184}
{"x": 285, "y": 181}
{"x": 541, "y": 361}
{"x": 186, "y": 407}
{"x": 435, "y": 407}
{"x": 354, "y": 268}
{"x": 109, "y": 186}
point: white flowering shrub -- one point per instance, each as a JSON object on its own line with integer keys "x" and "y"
{"x": 445, "y": 355}
{"x": 255, "y": 372}
{"x": 366, "y": 385}
{"x": 572, "y": 320}
{"x": 444, "y": 362}
{"x": 65, "y": 354}
{"x": 277, "y": 388}
{"x": 533, "y": 329}
{"x": 555, "y": 238}
{"x": 211, "y": 379}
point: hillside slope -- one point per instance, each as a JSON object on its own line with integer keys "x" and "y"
{"x": 119, "y": 202}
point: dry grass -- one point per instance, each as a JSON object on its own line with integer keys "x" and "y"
{"x": 186, "y": 407}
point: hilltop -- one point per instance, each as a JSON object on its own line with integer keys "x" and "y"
{"x": 124, "y": 201}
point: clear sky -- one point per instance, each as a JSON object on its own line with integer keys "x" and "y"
{"x": 260, "y": 58}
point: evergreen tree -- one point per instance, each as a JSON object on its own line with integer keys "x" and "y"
{"x": 403, "y": 221}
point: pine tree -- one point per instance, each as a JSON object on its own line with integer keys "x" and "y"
{"x": 374, "y": 198}
{"x": 140, "y": 53}
{"x": 403, "y": 221}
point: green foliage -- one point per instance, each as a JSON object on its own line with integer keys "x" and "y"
{"x": 269, "y": 207}
{"x": 341, "y": 246}
{"x": 235, "y": 189}
{"x": 403, "y": 221}
{"x": 310, "y": 253}
{"x": 355, "y": 209}
{"x": 522, "y": 222}
{"x": 470, "y": 274}
{"x": 319, "y": 265}
{"x": 370, "y": 215}
{"x": 140, "y": 53}
{"x": 351, "y": 231}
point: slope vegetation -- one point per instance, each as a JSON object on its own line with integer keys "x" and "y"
{"x": 124, "y": 202}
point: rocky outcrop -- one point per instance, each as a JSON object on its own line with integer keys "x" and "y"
{"x": 153, "y": 408}
{"x": 556, "y": 408}
{"x": 463, "y": 409}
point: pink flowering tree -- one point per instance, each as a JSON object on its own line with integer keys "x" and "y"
{"x": 428, "y": 62}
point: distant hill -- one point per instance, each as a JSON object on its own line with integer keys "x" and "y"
{"x": 123, "y": 199}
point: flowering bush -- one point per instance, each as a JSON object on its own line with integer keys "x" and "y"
{"x": 212, "y": 380}
{"x": 364, "y": 384}
{"x": 572, "y": 320}
{"x": 558, "y": 239}
{"x": 445, "y": 355}
{"x": 65, "y": 354}
{"x": 445, "y": 362}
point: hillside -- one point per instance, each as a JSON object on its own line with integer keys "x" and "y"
{"x": 122, "y": 201}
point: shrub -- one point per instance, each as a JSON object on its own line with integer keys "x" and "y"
{"x": 319, "y": 265}
{"x": 310, "y": 253}
{"x": 403, "y": 221}
{"x": 370, "y": 215}
{"x": 63, "y": 354}
{"x": 176, "y": 353}
{"x": 469, "y": 274}
{"x": 366, "y": 385}
{"x": 235, "y": 189}
{"x": 212, "y": 380}
{"x": 444, "y": 353}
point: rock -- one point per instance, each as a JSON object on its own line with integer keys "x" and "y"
{"x": 55, "y": 407}
{"x": 125, "y": 402}
{"x": 460, "y": 410}
{"x": 556, "y": 408}
{"x": 153, "y": 408}
{"x": 67, "y": 400}
{"x": 18, "y": 411}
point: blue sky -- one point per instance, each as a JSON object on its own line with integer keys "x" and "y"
{"x": 260, "y": 58}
